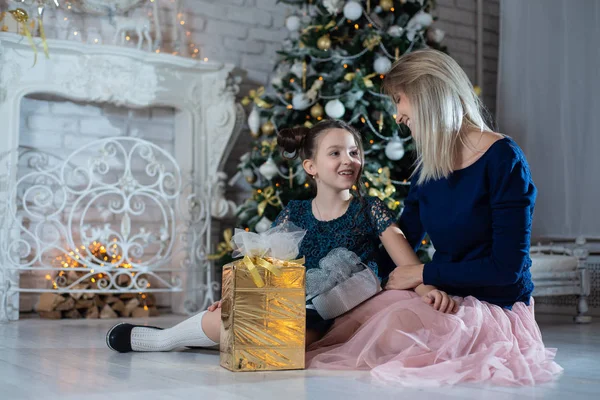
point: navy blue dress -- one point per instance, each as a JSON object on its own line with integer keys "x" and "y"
{"x": 358, "y": 230}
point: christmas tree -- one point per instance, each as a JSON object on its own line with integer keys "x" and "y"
{"x": 332, "y": 66}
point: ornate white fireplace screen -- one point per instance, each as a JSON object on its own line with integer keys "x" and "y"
{"x": 125, "y": 196}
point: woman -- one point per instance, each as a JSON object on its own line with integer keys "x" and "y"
{"x": 472, "y": 193}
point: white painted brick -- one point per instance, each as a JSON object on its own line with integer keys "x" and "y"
{"x": 70, "y": 108}
{"x": 101, "y": 127}
{"x": 491, "y": 38}
{"x": 463, "y": 59}
{"x": 268, "y": 35}
{"x": 206, "y": 40}
{"x": 211, "y": 11}
{"x": 259, "y": 77}
{"x": 246, "y": 46}
{"x": 490, "y": 65}
{"x": 226, "y": 29}
{"x": 162, "y": 114}
{"x": 153, "y": 130}
{"x": 34, "y": 106}
{"x": 491, "y": 8}
{"x": 249, "y": 16}
{"x": 465, "y": 32}
{"x": 41, "y": 140}
{"x": 455, "y": 15}
{"x": 490, "y": 52}
{"x": 470, "y": 5}
{"x": 52, "y": 123}
{"x": 234, "y": 2}
{"x": 113, "y": 111}
{"x": 258, "y": 63}
{"x": 74, "y": 142}
{"x": 196, "y": 23}
{"x": 491, "y": 23}
{"x": 462, "y": 45}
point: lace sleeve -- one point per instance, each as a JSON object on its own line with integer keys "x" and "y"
{"x": 284, "y": 216}
{"x": 381, "y": 216}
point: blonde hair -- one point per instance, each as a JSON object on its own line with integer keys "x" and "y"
{"x": 444, "y": 106}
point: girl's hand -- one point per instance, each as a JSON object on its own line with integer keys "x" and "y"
{"x": 405, "y": 277}
{"x": 440, "y": 301}
{"x": 214, "y": 306}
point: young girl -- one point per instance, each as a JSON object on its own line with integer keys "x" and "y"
{"x": 332, "y": 156}
{"x": 472, "y": 193}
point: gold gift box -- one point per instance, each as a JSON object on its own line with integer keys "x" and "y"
{"x": 263, "y": 328}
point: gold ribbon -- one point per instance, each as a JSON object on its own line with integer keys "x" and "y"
{"x": 224, "y": 247}
{"x": 329, "y": 25}
{"x": 366, "y": 79}
{"x": 371, "y": 42}
{"x": 255, "y": 95}
{"x": 386, "y": 194}
{"x": 22, "y": 18}
{"x": 268, "y": 147}
{"x": 253, "y": 262}
{"x": 269, "y": 197}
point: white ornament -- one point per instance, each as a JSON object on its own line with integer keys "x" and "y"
{"x": 382, "y": 65}
{"x": 435, "y": 35}
{"x": 269, "y": 169}
{"x": 140, "y": 25}
{"x": 247, "y": 172}
{"x": 333, "y": 6}
{"x": 263, "y": 225}
{"x": 276, "y": 80}
{"x": 395, "y": 31}
{"x": 254, "y": 121}
{"x": 335, "y": 109}
{"x": 431, "y": 251}
{"x": 419, "y": 21}
{"x": 394, "y": 150}
{"x": 292, "y": 23}
{"x": 297, "y": 69}
{"x": 300, "y": 102}
{"x": 352, "y": 10}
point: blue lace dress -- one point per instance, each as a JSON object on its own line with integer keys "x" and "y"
{"x": 358, "y": 230}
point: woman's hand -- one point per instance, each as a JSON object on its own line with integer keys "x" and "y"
{"x": 405, "y": 277}
{"x": 440, "y": 301}
{"x": 214, "y": 306}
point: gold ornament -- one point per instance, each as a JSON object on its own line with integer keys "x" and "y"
{"x": 316, "y": 111}
{"x": 371, "y": 42}
{"x": 288, "y": 96}
{"x": 324, "y": 42}
{"x": 386, "y": 5}
{"x": 255, "y": 135}
{"x": 268, "y": 128}
{"x": 251, "y": 179}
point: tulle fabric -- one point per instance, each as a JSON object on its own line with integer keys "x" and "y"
{"x": 403, "y": 340}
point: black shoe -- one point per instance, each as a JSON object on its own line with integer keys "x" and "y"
{"x": 118, "y": 337}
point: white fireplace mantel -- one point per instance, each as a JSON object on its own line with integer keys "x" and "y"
{"x": 203, "y": 92}
{"x": 207, "y": 119}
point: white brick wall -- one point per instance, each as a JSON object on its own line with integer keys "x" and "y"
{"x": 458, "y": 19}
{"x": 59, "y": 127}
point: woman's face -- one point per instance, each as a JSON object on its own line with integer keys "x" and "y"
{"x": 403, "y": 109}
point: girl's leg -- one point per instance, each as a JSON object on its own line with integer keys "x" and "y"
{"x": 200, "y": 330}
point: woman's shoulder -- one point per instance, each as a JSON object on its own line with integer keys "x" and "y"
{"x": 501, "y": 147}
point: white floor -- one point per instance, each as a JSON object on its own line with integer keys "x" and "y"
{"x": 69, "y": 360}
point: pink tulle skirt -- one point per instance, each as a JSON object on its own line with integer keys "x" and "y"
{"x": 401, "y": 339}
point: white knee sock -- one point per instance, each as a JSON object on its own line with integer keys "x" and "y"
{"x": 187, "y": 333}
